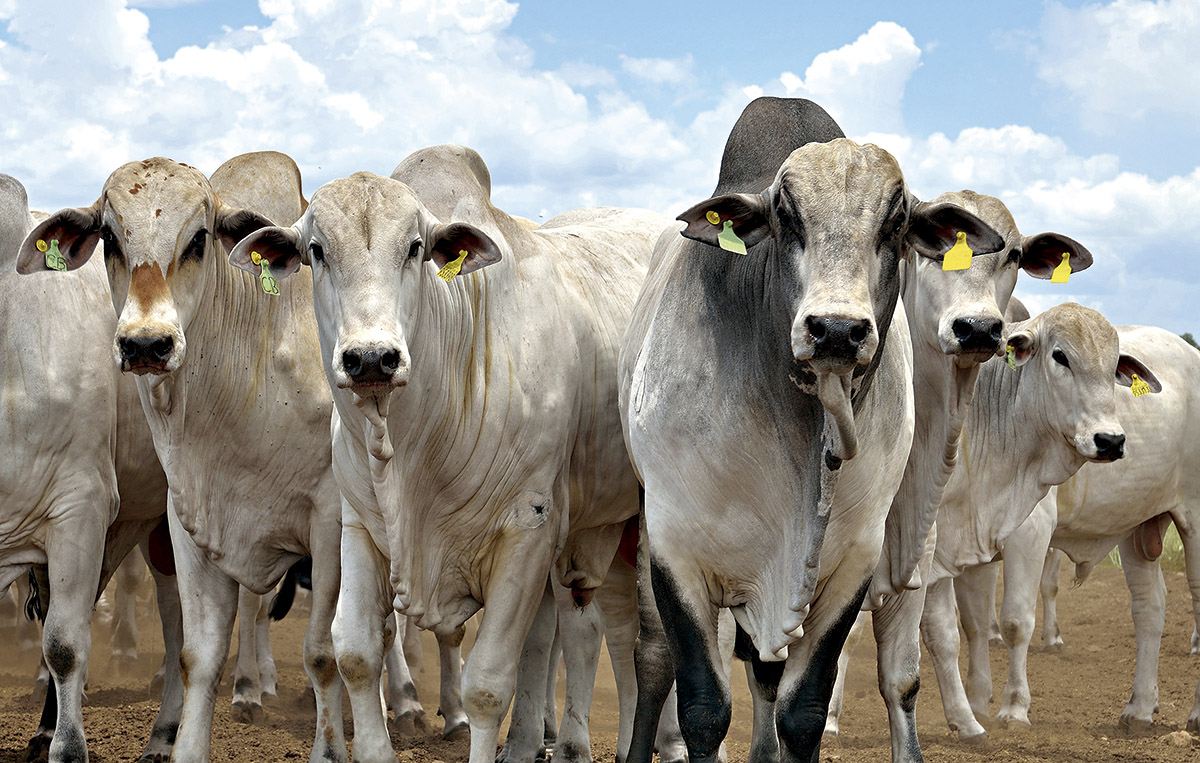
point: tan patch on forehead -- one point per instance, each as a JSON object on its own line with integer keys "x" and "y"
{"x": 1084, "y": 329}
{"x": 147, "y": 285}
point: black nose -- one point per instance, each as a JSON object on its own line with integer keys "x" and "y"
{"x": 371, "y": 366}
{"x": 837, "y": 337}
{"x": 978, "y": 334}
{"x": 1109, "y": 447}
{"x": 146, "y": 350}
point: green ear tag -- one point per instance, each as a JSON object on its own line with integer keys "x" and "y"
{"x": 1063, "y": 271}
{"x": 1011, "y": 357}
{"x": 451, "y": 268}
{"x": 959, "y": 256}
{"x": 1138, "y": 387}
{"x": 269, "y": 284}
{"x": 54, "y": 258}
{"x": 729, "y": 240}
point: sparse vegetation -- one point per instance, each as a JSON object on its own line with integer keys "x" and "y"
{"x": 1187, "y": 337}
{"x": 1172, "y": 559}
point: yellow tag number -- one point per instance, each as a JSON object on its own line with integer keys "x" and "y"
{"x": 269, "y": 284}
{"x": 1138, "y": 387}
{"x": 1063, "y": 271}
{"x": 959, "y": 256}
{"x": 54, "y": 258}
{"x": 452, "y": 268}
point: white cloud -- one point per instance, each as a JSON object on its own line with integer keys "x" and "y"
{"x": 660, "y": 71}
{"x": 1124, "y": 60}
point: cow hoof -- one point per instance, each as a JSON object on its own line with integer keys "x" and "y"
{"x": 155, "y": 757}
{"x": 410, "y": 724}
{"x": 974, "y": 740}
{"x": 38, "y": 749}
{"x": 1013, "y": 723}
{"x": 270, "y": 699}
{"x": 459, "y": 732}
{"x": 1193, "y": 725}
{"x": 995, "y": 641}
{"x": 830, "y": 739}
{"x": 247, "y": 712}
{"x": 1131, "y": 725}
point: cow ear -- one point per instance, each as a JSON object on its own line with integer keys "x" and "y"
{"x": 1042, "y": 253}
{"x": 934, "y": 227}
{"x": 1023, "y": 343}
{"x": 234, "y": 224}
{"x": 1127, "y": 366}
{"x": 76, "y": 231}
{"x": 448, "y": 242}
{"x": 745, "y": 211}
{"x": 280, "y": 247}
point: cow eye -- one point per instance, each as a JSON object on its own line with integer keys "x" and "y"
{"x": 317, "y": 253}
{"x": 1060, "y": 358}
{"x": 415, "y": 249}
{"x": 1014, "y": 255}
{"x": 195, "y": 248}
{"x": 112, "y": 250}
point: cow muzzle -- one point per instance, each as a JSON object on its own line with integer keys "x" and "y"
{"x": 374, "y": 367}
{"x": 976, "y": 338}
{"x": 147, "y": 353}
{"x": 1109, "y": 446}
{"x": 834, "y": 343}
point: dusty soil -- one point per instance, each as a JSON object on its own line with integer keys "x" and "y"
{"x": 1077, "y": 697}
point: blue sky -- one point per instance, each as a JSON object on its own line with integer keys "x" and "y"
{"x": 1080, "y": 116}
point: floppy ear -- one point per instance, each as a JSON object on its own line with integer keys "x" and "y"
{"x": 747, "y": 212}
{"x": 447, "y": 242}
{"x": 1042, "y": 253}
{"x": 1127, "y": 366}
{"x": 234, "y": 224}
{"x": 933, "y": 229}
{"x": 281, "y": 247}
{"x": 1024, "y": 344}
{"x": 75, "y": 229}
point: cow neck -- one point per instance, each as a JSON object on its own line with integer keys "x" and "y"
{"x": 1009, "y": 457}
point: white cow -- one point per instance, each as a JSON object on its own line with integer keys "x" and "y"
{"x": 956, "y": 321}
{"x": 475, "y": 418}
{"x": 1030, "y": 428}
{"x": 1131, "y": 503}
{"x": 769, "y": 412}
{"x": 229, "y": 383}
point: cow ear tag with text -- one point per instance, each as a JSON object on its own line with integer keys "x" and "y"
{"x": 451, "y": 268}
{"x": 727, "y": 239}
{"x": 1011, "y": 357}
{"x": 1063, "y": 271}
{"x": 1138, "y": 387}
{"x": 54, "y": 258}
{"x": 959, "y": 256}
{"x": 269, "y": 284}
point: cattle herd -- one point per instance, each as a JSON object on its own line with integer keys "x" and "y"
{"x": 811, "y": 397}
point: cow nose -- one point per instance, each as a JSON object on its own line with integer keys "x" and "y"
{"x": 978, "y": 334}
{"x": 837, "y": 337}
{"x": 1109, "y": 447}
{"x": 137, "y": 350}
{"x": 371, "y": 366}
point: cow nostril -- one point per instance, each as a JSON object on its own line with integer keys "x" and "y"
{"x": 962, "y": 329}
{"x": 160, "y": 349}
{"x": 1107, "y": 444}
{"x": 389, "y": 362}
{"x": 128, "y": 347}
{"x": 858, "y": 333}
{"x": 816, "y": 329}
{"x": 996, "y": 331}
{"x": 352, "y": 362}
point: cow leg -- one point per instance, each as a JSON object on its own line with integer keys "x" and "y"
{"x": 581, "y": 630}
{"x": 124, "y": 624}
{"x": 975, "y": 593}
{"x": 1148, "y": 603}
{"x": 1024, "y": 561}
{"x": 550, "y": 706}
{"x": 268, "y": 676}
{"x": 29, "y": 636}
{"x": 897, "y": 627}
{"x": 166, "y": 723}
{"x": 833, "y": 717}
{"x": 450, "y": 704}
{"x": 652, "y": 657}
{"x": 325, "y": 545}
{"x": 364, "y": 601}
{"x": 208, "y": 598}
{"x": 1190, "y": 535}
{"x": 1051, "y": 635}
{"x": 690, "y": 622}
{"x": 247, "y": 689}
{"x": 401, "y": 691}
{"x": 763, "y": 680}
{"x": 940, "y": 634}
{"x": 526, "y": 730}
{"x": 808, "y": 677}
{"x": 75, "y": 550}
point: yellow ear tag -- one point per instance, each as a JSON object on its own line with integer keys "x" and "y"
{"x": 1063, "y": 271}
{"x": 450, "y": 269}
{"x": 959, "y": 256}
{"x": 1138, "y": 387}
{"x": 269, "y": 284}
{"x": 1011, "y": 357}
{"x": 54, "y": 258}
{"x": 712, "y": 217}
{"x": 729, "y": 240}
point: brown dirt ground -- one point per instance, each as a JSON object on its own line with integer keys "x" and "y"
{"x": 1077, "y": 697}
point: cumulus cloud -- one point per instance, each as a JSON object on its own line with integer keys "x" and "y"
{"x": 1125, "y": 59}
{"x": 659, "y": 71}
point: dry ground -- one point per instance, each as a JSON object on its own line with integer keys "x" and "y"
{"x": 1077, "y": 696}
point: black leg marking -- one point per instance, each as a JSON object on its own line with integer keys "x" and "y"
{"x": 800, "y": 717}
{"x": 766, "y": 674}
{"x": 652, "y": 662}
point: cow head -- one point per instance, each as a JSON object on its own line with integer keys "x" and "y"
{"x": 1069, "y": 359}
{"x": 370, "y": 242}
{"x": 960, "y": 312}
{"x": 159, "y": 222}
{"x": 840, "y": 218}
